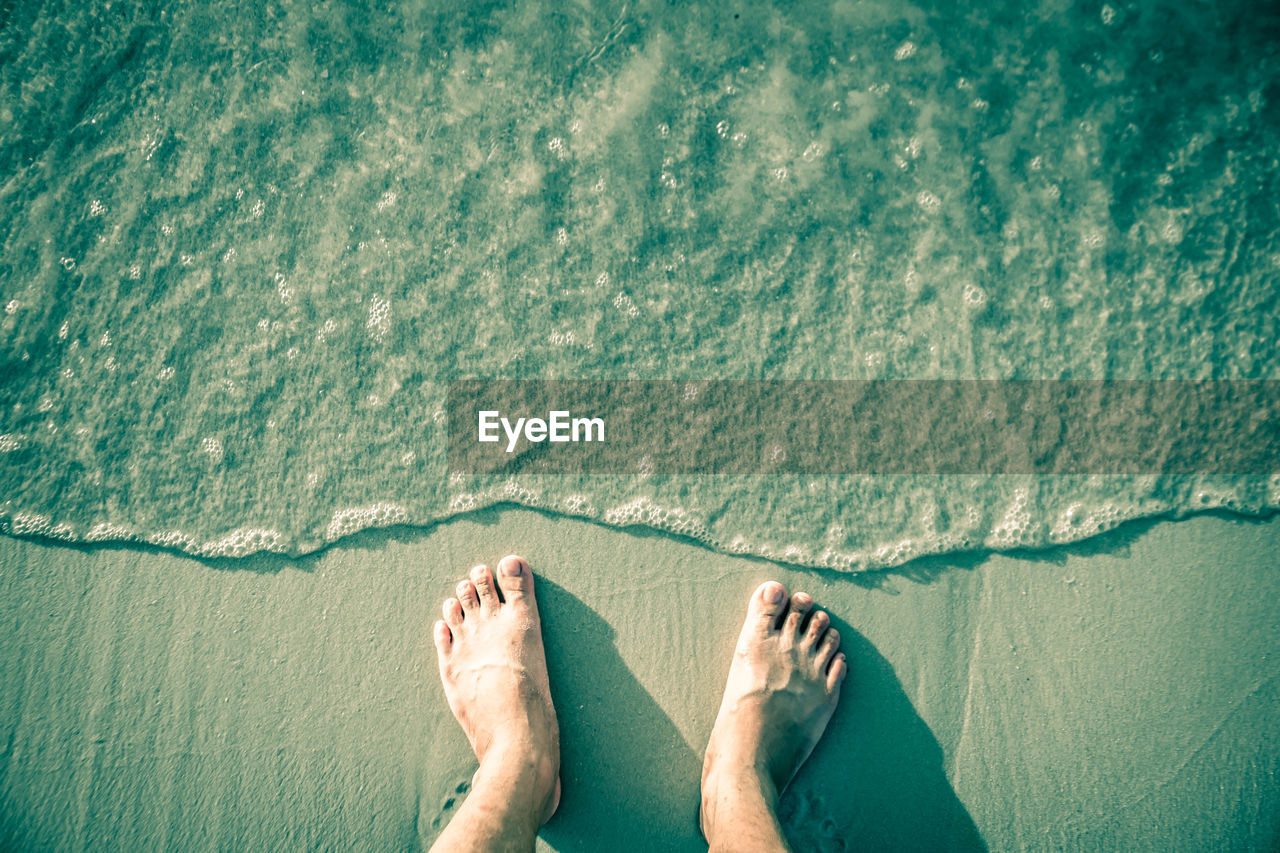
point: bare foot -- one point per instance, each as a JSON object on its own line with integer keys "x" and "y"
{"x": 783, "y": 685}
{"x": 495, "y": 680}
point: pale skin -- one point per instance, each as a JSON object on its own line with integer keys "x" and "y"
{"x": 783, "y": 685}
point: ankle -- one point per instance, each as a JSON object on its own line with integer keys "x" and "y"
{"x": 521, "y": 762}
{"x": 517, "y": 782}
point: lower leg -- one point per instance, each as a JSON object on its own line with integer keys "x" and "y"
{"x": 740, "y": 813}
{"x": 500, "y": 812}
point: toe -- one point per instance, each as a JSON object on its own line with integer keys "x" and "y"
{"x": 768, "y": 603}
{"x": 452, "y": 611}
{"x": 839, "y": 669}
{"x": 483, "y": 579}
{"x": 801, "y": 604}
{"x": 444, "y": 638}
{"x": 468, "y": 596}
{"x": 515, "y": 578}
{"x": 818, "y": 624}
{"x": 827, "y": 649}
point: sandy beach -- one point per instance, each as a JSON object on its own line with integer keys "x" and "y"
{"x": 1119, "y": 694}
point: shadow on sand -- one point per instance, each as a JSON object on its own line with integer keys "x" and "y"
{"x": 876, "y": 781}
{"x": 630, "y": 782}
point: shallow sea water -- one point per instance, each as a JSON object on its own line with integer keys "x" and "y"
{"x": 245, "y": 248}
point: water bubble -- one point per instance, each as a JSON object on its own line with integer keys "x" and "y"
{"x": 213, "y": 447}
{"x": 905, "y": 51}
{"x": 624, "y": 304}
{"x": 97, "y": 208}
{"x": 242, "y": 542}
{"x": 347, "y": 521}
{"x": 379, "y": 322}
{"x": 68, "y": 264}
{"x": 1108, "y": 15}
{"x": 577, "y": 504}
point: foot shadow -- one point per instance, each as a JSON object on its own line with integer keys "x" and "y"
{"x": 876, "y": 780}
{"x": 630, "y": 782}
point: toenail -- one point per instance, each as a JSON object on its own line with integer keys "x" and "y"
{"x": 512, "y": 568}
{"x": 773, "y": 593}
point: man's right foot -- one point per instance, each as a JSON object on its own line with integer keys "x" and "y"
{"x": 783, "y": 686}
{"x": 494, "y": 670}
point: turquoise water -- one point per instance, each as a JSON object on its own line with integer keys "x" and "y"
{"x": 246, "y": 247}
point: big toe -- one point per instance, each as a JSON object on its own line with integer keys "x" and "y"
{"x": 515, "y": 579}
{"x": 768, "y": 603}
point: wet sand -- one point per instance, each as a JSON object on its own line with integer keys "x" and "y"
{"x": 1119, "y": 694}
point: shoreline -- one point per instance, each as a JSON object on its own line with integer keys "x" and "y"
{"x": 923, "y": 565}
